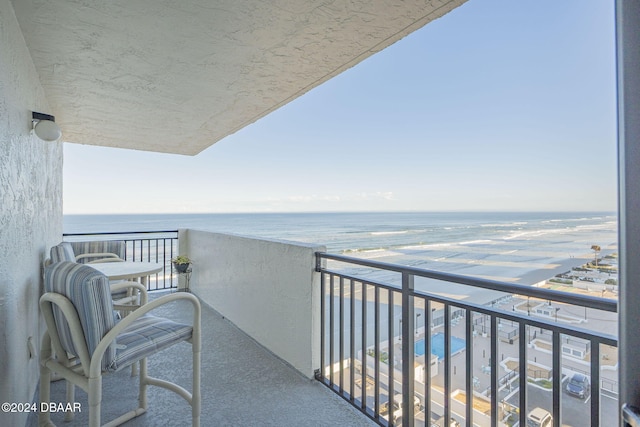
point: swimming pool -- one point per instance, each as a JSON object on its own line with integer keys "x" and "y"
{"x": 437, "y": 345}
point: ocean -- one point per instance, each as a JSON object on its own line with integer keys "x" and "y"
{"x": 520, "y": 247}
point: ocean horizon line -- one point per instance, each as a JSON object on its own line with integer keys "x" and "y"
{"x": 614, "y": 212}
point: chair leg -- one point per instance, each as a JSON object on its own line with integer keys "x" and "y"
{"x": 71, "y": 397}
{"x": 95, "y": 399}
{"x": 195, "y": 394}
{"x": 142, "y": 394}
{"x": 44, "y": 417}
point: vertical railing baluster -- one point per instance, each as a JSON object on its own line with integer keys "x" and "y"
{"x": 376, "y": 350}
{"x": 494, "y": 371}
{"x": 352, "y": 342}
{"x": 331, "y": 329}
{"x": 323, "y": 319}
{"x": 341, "y": 335}
{"x": 523, "y": 362}
{"x": 408, "y": 351}
{"x": 469, "y": 370}
{"x": 428, "y": 357}
{"x": 157, "y": 251}
{"x": 447, "y": 362}
{"x": 164, "y": 263}
{"x": 595, "y": 383}
{"x": 363, "y": 364}
{"x": 161, "y": 244}
{"x": 171, "y": 256}
{"x": 557, "y": 378}
{"x": 391, "y": 346}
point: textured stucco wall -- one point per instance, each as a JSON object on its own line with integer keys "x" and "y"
{"x": 30, "y": 214}
{"x": 267, "y": 288}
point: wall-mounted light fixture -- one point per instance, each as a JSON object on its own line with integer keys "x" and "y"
{"x": 45, "y": 127}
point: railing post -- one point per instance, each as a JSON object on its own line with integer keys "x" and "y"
{"x": 408, "y": 354}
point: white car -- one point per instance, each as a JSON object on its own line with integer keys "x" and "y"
{"x": 538, "y": 417}
{"x": 397, "y": 407}
{"x": 440, "y": 422}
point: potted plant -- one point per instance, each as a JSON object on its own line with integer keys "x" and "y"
{"x": 181, "y": 263}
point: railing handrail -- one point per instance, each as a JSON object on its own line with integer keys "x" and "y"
{"x": 105, "y": 233}
{"x": 510, "y": 288}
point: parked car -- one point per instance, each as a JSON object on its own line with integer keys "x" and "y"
{"x": 397, "y": 407}
{"x": 579, "y": 386}
{"x": 538, "y": 417}
{"x": 441, "y": 422}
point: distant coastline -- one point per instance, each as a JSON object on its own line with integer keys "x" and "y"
{"x": 520, "y": 247}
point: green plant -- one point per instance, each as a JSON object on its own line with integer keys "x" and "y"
{"x": 563, "y": 281}
{"x": 384, "y": 356}
{"x": 181, "y": 259}
{"x": 541, "y": 382}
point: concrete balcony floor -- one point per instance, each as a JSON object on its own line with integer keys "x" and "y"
{"x": 243, "y": 384}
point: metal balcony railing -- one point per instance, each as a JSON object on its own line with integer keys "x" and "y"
{"x": 149, "y": 246}
{"x": 380, "y": 352}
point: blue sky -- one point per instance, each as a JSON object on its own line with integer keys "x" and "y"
{"x": 498, "y": 106}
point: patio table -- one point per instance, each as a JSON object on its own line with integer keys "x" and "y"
{"x": 128, "y": 270}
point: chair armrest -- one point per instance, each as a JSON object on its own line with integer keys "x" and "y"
{"x": 107, "y": 257}
{"x": 98, "y": 354}
{"x": 131, "y": 285}
{"x": 70, "y": 315}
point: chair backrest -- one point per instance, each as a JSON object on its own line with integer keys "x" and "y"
{"x": 100, "y": 246}
{"x": 62, "y": 252}
{"x": 88, "y": 290}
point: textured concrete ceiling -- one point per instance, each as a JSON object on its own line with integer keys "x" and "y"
{"x": 177, "y": 76}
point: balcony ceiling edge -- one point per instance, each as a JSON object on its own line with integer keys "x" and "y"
{"x": 178, "y": 76}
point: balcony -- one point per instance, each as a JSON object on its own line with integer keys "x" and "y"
{"x": 243, "y": 384}
{"x": 286, "y": 311}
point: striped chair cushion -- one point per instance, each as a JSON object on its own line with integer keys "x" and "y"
{"x": 119, "y": 295}
{"x": 109, "y": 246}
{"x": 62, "y": 252}
{"x": 146, "y": 336}
{"x": 88, "y": 290}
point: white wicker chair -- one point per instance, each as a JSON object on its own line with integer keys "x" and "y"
{"x": 81, "y": 325}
